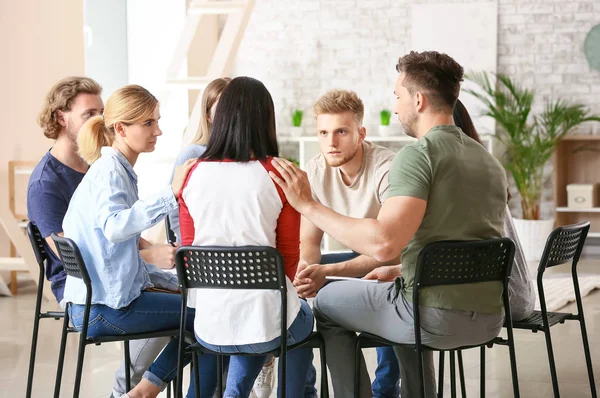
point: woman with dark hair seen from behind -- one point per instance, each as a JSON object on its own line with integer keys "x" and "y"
{"x": 521, "y": 290}
{"x": 229, "y": 199}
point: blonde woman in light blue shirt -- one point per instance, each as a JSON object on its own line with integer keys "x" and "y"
{"x": 106, "y": 218}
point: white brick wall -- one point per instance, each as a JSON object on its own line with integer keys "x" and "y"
{"x": 300, "y": 49}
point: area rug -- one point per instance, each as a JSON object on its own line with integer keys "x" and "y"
{"x": 559, "y": 289}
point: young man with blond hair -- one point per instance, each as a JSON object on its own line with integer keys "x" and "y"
{"x": 350, "y": 176}
{"x": 67, "y": 106}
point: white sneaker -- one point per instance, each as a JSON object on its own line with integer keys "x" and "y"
{"x": 263, "y": 385}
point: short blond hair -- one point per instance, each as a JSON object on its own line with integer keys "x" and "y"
{"x": 128, "y": 105}
{"x": 60, "y": 98}
{"x": 339, "y": 101}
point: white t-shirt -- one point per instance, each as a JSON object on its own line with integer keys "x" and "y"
{"x": 364, "y": 197}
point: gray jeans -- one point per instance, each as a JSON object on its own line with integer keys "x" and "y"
{"x": 142, "y": 354}
{"x": 344, "y": 308}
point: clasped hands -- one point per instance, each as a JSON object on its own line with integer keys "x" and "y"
{"x": 310, "y": 278}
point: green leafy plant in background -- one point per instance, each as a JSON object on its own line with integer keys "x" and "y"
{"x": 385, "y": 116}
{"x": 297, "y": 118}
{"x": 529, "y": 140}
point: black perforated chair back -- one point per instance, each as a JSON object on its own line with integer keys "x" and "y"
{"x": 460, "y": 262}
{"x": 71, "y": 259}
{"x": 244, "y": 267}
{"x": 564, "y": 244}
{"x": 37, "y": 244}
{"x": 171, "y": 237}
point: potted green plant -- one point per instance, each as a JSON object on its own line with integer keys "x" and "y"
{"x": 529, "y": 141}
{"x": 384, "y": 128}
{"x": 297, "y": 130}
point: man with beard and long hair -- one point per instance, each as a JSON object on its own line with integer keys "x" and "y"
{"x": 350, "y": 176}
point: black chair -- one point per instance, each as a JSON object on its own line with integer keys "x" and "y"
{"x": 563, "y": 245}
{"x": 37, "y": 244}
{"x": 461, "y": 263}
{"x": 247, "y": 267}
{"x": 75, "y": 267}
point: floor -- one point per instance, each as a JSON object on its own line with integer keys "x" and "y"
{"x": 101, "y": 362}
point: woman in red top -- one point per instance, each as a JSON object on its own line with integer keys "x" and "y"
{"x": 230, "y": 200}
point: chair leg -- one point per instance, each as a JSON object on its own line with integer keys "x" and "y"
{"x": 127, "y": 365}
{"x": 513, "y": 362}
{"x": 79, "y": 371}
{"x": 61, "y": 355}
{"x": 283, "y": 381}
{"x": 324, "y": 382}
{"x": 452, "y": 375}
{"x": 461, "y": 373}
{"x": 169, "y": 390}
{"x": 551, "y": 362}
{"x": 441, "y": 376}
{"x": 358, "y": 351}
{"x": 588, "y": 357}
{"x": 220, "y": 375}
{"x": 482, "y": 372}
{"x": 36, "y": 325}
{"x": 195, "y": 369}
{"x": 419, "y": 351}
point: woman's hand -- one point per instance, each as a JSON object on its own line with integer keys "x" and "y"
{"x": 180, "y": 175}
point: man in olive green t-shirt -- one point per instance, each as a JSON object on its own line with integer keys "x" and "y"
{"x": 445, "y": 186}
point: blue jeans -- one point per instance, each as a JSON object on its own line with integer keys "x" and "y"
{"x": 150, "y": 312}
{"x": 387, "y": 374}
{"x": 243, "y": 370}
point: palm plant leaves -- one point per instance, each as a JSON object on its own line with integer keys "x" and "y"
{"x": 530, "y": 141}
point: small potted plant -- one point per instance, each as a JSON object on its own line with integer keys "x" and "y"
{"x": 384, "y": 128}
{"x": 530, "y": 141}
{"x": 297, "y": 130}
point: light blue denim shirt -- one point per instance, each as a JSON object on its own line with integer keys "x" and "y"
{"x": 105, "y": 219}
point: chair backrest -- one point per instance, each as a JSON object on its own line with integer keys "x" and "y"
{"x": 460, "y": 262}
{"x": 244, "y": 267}
{"x": 71, "y": 259}
{"x": 563, "y": 245}
{"x": 37, "y": 244}
{"x": 171, "y": 237}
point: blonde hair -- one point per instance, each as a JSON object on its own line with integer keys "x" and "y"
{"x": 128, "y": 105}
{"x": 60, "y": 98}
{"x": 211, "y": 94}
{"x": 338, "y": 101}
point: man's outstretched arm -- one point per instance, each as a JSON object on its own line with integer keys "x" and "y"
{"x": 382, "y": 239}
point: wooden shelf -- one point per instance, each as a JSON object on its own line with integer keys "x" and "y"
{"x": 572, "y": 210}
{"x": 574, "y": 166}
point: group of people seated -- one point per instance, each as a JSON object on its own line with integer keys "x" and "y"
{"x": 230, "y": 188}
